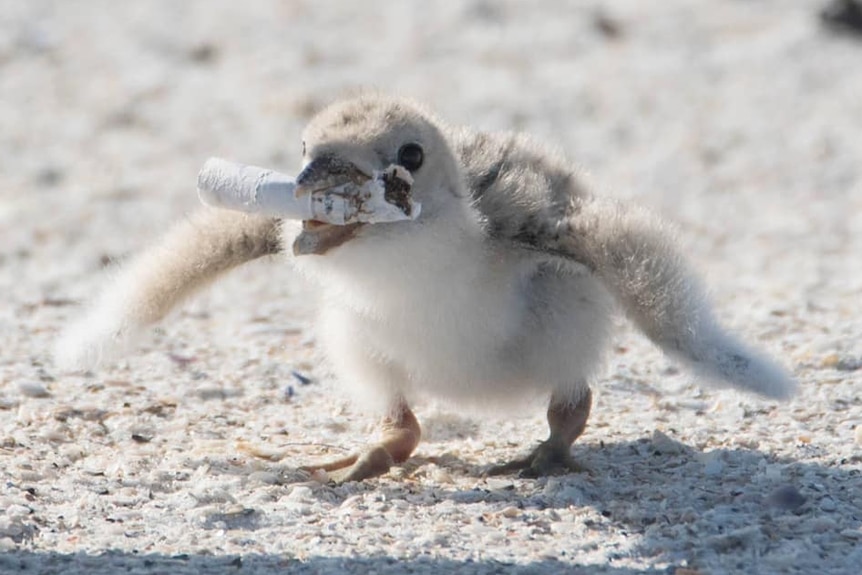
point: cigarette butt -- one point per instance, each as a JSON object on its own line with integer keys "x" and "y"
{"x": 234, "y": 186}
{"x": 383, "y": 198}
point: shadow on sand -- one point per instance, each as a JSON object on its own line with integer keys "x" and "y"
{"x": 731, "y": 511}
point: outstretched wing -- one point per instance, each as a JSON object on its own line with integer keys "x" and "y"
{"x": 186, "y": 259}
{"x": 536, "y": 200}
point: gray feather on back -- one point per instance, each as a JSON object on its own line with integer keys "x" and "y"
{"x": 534, "y": 199}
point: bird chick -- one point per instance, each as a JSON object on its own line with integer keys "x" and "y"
{"x": 504, "y": 285}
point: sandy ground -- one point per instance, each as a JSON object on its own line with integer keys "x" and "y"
{"x": 740, "y": 121}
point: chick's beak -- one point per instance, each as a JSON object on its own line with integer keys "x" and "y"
{"x": 326, "y": 172}
{"x": 323, "y": 173}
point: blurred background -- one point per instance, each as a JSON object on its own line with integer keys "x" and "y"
{"x": 738, "y": 119}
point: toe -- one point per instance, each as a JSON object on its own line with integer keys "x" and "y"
{"x": 546, "y": 459}
{"x": 372, "y": 463}
{"x": 544, "y": 465}
{"x": 506, "y": 468}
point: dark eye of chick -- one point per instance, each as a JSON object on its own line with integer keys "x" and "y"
{"x": 411, "y": 156}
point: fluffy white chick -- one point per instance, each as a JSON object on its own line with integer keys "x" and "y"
{"x": 504, "y": 286}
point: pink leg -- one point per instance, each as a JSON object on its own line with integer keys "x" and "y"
{"x": 400, "y": 436}
{"x": 567, "y": 422}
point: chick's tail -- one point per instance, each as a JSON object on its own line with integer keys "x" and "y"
{"x": 635, "y": 257}
{"x": 144, "y": 290}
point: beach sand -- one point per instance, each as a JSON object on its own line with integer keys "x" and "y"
{"x": 739, "y": 121}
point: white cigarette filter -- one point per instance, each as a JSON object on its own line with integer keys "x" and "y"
{"x": 384, "y": 197}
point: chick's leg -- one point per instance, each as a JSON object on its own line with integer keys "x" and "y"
{"x": 567, "y": 421}
{"x": 400, "y": 433}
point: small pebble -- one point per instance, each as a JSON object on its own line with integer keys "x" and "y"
{"x": 499, "y": 484}
{"x": 49, "y": 176}
{"x": 351, "y": 502}
{"x": 265, "y": 477}
{"x": 742, "y": 538}
{"x": 830, "y": 361}
{"x": 510, "y": 512}
{"x": 302, "y": 379}
{"x": 665, "y": 445}
{"x": 785, "y": 497}
{"x": 33, "y": 389}
{"x": 204, "y": 53}
{"x": 828, "y": 504}
{"x": 320, "y": 475}
{"x": 849, "y": 364}
{"x": 607, "y": 26}
{"x": 208, "y": 393}
{"x": 823, "y": 525}
{"x": 854, "y": 534}
{"x": 54, "y": 434}
{"x": 440, "y": 475}
{"x": 8, "y": 403}
{"x": 564, "y": 493}
{"x": 713, "y": 467}
{"x": 773, "y": 472}
{"x": 16, "y": 510}
{"x": 72, "y": 452}
{"x": 301, "y": 493}
{"x": 266, "y": 452}
{"x": 31, "y": 476}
